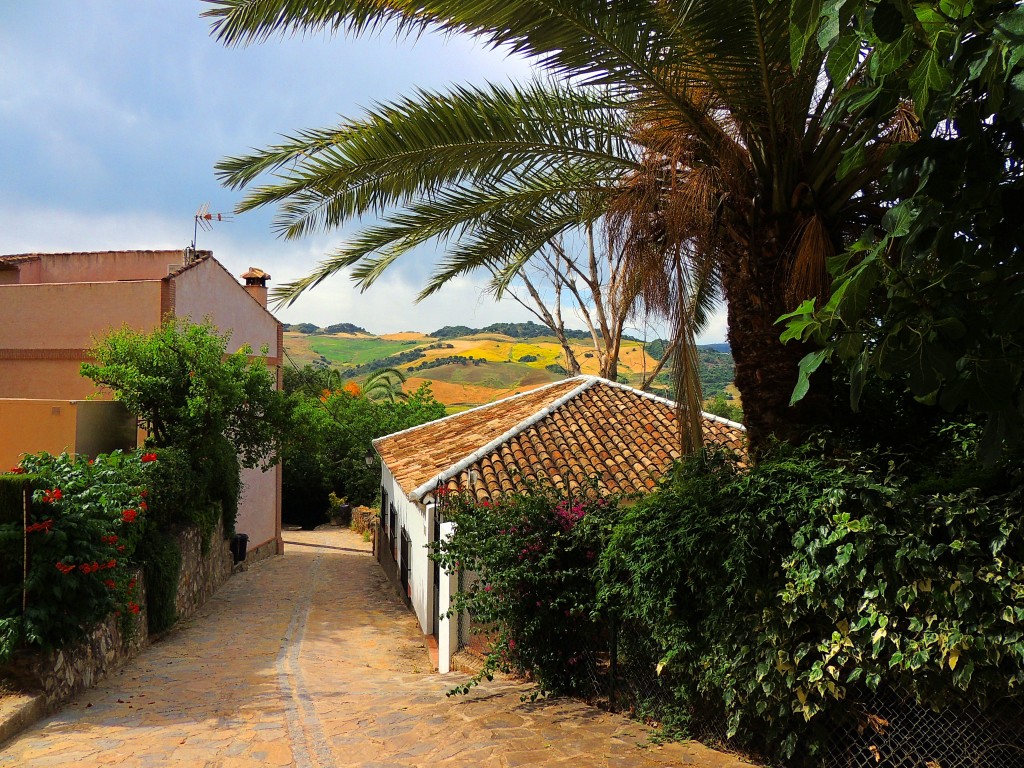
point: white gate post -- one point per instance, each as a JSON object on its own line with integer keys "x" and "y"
{"x": 448, "y": 627}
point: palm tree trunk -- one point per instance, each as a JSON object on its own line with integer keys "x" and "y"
{"x": 766, "y": 369}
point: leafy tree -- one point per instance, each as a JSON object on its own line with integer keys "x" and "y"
{"x": 699, "y": 127}
{"x": 933, "y": 299}
{"x": 187, "y": 391}
{"x": 325, "y": 444}
{"x": 219, "y": 411}
{"x": 719, "y": 405}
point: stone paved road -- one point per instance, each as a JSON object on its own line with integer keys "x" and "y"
{"x": 310, "y": 661}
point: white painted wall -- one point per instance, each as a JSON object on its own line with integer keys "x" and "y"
{"x": 417, "y": 522}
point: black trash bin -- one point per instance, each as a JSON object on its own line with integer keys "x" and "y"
{"x": 239, "y": 543}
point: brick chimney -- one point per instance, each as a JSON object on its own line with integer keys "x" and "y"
{"x": 256, "y": 284}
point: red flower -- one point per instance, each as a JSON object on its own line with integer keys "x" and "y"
{"x": 46, "y": 525}
{"x": 143, "y": 505}
{"x": 143, "y": 493}
{"x": 148, "y": 457}
{"x": 129, "y": 515}
{"x": 131, "y": 584}
{"x": 53, "y": 495}
{"x": 111, "y": 563}
{"x": 65, "y": 569}
{"x": 121, "y": 548}
{"x": 109, "y": 539}
{"x": 109, "y": 583}
{"x": 134, "y": 607}
{"x": 16, "y": 470}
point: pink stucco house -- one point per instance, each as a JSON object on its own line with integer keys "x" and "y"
{"x": 52, "y": 307}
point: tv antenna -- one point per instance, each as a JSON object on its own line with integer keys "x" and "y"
{"x": 204, "y": 221}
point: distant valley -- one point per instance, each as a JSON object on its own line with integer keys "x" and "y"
{"x": 466, "y": 367}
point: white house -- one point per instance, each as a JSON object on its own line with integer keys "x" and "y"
{"x": 566, "y": 433}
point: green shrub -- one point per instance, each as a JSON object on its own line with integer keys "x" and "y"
{"x": 161, "y": 559}
{"x": 780, "y": 594}
{"x": 86, "y": 520}
{"x": 534, "y": 556}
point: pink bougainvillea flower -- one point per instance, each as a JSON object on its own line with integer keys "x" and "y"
{"x": 148, "y": 457}
{"x": 129, "y": 515}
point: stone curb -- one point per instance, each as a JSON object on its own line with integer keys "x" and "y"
{"x": 18, "y": 712}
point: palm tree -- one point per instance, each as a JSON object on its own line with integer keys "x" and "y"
{"x": 702, "y": 131}
{"x": 385, "y": 384}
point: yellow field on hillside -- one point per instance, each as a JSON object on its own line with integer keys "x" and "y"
{"x": 406, "y": 336}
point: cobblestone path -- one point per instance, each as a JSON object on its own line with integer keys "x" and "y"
{"x": 310, "y": 661}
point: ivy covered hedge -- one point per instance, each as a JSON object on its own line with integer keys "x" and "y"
{"x": 775, "y": 598}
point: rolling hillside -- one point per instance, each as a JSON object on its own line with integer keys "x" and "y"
{"x": 467, "y": 367}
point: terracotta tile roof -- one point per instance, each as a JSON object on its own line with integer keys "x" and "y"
{"x": 564, "y": 433}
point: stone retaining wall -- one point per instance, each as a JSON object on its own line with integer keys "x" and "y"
{"x": 201, "y": 574}
{"x": 60, "y": 674}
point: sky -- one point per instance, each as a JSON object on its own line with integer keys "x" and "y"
{"x": 113, "y": 115}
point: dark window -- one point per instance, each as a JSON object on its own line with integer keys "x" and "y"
{"x": 392, "y": 529}
{"x": 405, "y": 566}
{"x": 383, "y": 509}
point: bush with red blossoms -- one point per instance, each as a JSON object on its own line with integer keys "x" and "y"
{"x": 533, "y": 559}
{"x": 85, "y": 521}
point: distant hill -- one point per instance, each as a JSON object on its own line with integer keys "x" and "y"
{"x": 527, "y": 330}
{"x": 470, "y": 366}
{"x": 309, "y": 328}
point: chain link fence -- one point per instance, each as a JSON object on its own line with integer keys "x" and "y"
{"x": 891, "y": 730}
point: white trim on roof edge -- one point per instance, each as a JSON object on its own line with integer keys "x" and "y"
{"x": 586, "y": 383}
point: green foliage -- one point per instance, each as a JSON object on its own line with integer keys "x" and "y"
{"x": 161, "y": 558}
{"x": 781, "y": 593}
{"x": 439, "y": 362}
{"x": 534, "y": 556}
{"x": 720, "y": 405}
{"x": 527, "y": 330}
{"x": 931, "y": 299}
{"x": 187, "y": 391}
{"x": 220, "y": 411}
{"x": 302, "y": 328}
{"x": 325, "y": 443}
{"x": 383, "y": 363}
{"x": 191, "y": 490}
{"x": 86, "y": 521}
{"x": 343, "y": 328}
